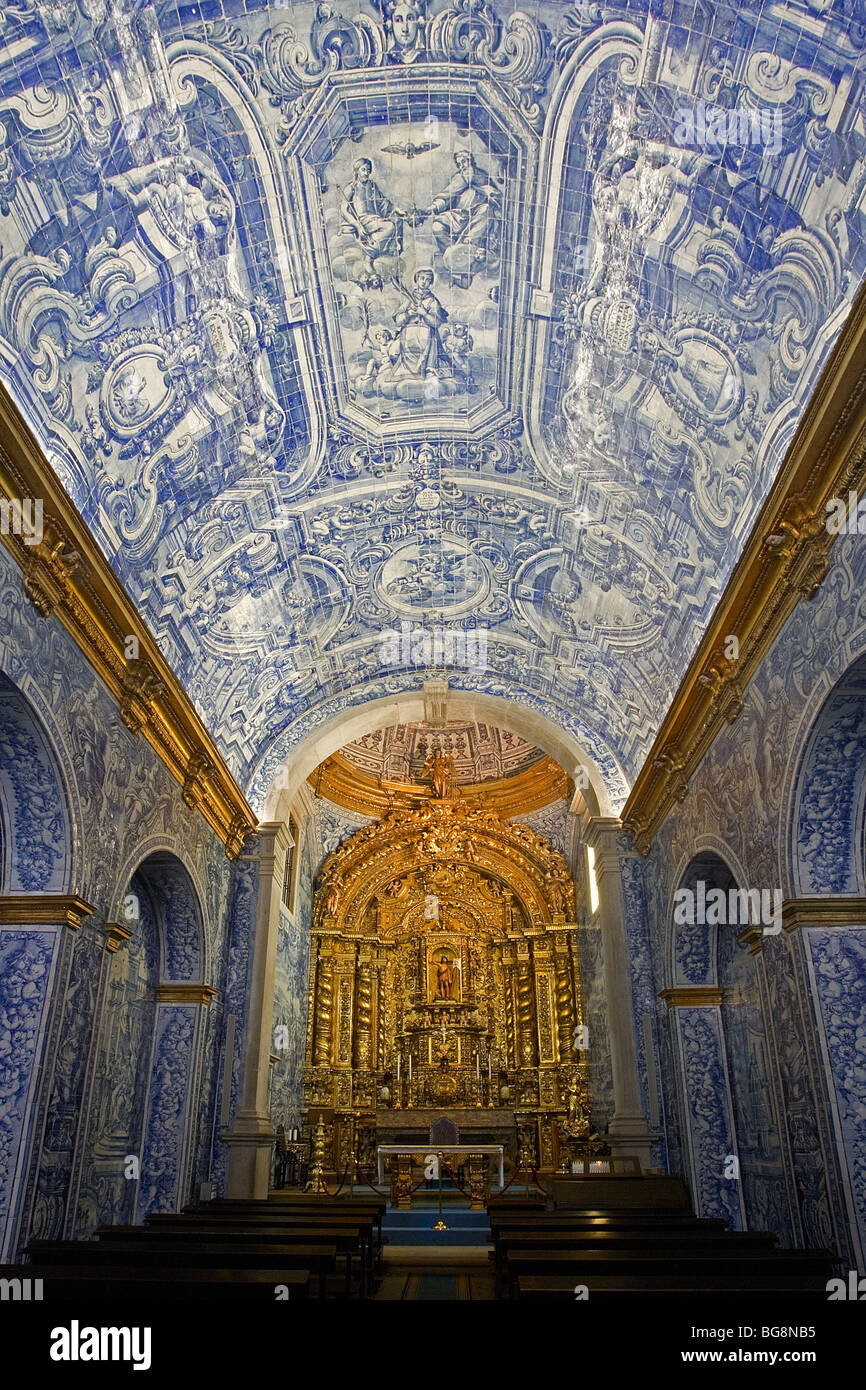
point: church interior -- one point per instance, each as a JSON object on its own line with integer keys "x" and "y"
{"x": 432, "y": 652}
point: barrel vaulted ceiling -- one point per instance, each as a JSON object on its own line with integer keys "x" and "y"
{"x": 445, "y": 314}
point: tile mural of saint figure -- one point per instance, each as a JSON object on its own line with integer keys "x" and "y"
{"x": 413, "y": 233}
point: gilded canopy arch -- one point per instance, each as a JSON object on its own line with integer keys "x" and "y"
{"x": 439, "y": 834}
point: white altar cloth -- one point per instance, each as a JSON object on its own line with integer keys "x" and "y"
{"x": 447, "y": 1150}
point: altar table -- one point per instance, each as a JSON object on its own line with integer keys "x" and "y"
{"x": 446, "y": 1150}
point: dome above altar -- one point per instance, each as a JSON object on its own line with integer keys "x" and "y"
{"x": 492, "y": 765}
{"x": 481, "y": 752}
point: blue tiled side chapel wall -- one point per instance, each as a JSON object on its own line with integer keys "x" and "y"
{"x": 83, "y": 803}
{"x": 779, "y": 798}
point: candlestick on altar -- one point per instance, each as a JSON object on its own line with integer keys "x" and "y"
{"x": 398, "y": 1066}
{"x": 410, "y": 1066}
{"x": 477, "y": 1067}
{"x": 489, "y": 1066}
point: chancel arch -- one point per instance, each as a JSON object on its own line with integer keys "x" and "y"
{"x": 36, "y": 839}
{"x": 278, "y": 789}
{"x": 39, "y": 916}
{"x": 826, "y": 925}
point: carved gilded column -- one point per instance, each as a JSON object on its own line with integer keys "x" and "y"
{"x": 364, "y": 1015}
{"x": 324, "y": 1011}
{"x": 343, "y": 1025}
{"x": 565, "y": 1002}
{"x": 545, "y": 1019}
{"x": 545, "y": 997}
{"x": 315, "y": 946}
{"x": 526, "y": 1022}
{"x": 512, "y": 1049}
{"x": 381, "y": 1029}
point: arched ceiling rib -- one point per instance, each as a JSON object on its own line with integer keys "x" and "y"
{"x": 438, "y": 315}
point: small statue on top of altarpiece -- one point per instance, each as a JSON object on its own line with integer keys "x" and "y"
{"x": 440, "y": 766}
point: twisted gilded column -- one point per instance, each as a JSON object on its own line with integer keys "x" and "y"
{"x": 511, "y": 1048}
{"x": 324, "y": 1012}
{"x": 525, "y": 1013}
{"x": 381, "y": 1030}
{"x": 364, "y": 1016}
{"x": 565, "y": 1012}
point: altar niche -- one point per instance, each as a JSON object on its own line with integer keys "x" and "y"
{"x": 444, "y": 977}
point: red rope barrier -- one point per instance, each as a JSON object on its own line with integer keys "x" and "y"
{"x": 460, "y": 1189}
{"x": 543, "y": 1190}
{"x": 324, "y": 1185}
{"x": 517, "y": 1170}
{"x": 366, "y": 1180}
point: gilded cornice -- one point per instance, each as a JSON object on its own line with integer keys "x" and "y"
{"x": 338, "y": 779}
{"x": 185, "y": 994}
{"x": 785, "y": 559}
{"x": 67, "y": 576}
{"x": 693, "y": 996}
{"x": 823, "y": 912}
{"x": 44, "y": 909}
{"x": 116, "y": 935}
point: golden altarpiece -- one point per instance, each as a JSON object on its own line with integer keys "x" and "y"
{"x": 445, "y": 980}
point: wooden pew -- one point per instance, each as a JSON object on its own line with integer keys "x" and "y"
{"x": 509, "y": 1245}
{"x": 119, "y": 1283}
{"x": 319, "y": 1258}
{"x": 347, "y": 1237}
{"x": 264, "y": 1221}
{"x": 655, "y": 1268}
{"x": 561, "y": 1287}
{"x": 298, "y": 1201}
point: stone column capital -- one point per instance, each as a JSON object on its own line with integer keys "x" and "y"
{"x": 600, "y": 835}
{"x": 275, "y": 839}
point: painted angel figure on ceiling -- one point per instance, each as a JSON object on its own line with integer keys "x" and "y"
{"x": 181, "y": 203}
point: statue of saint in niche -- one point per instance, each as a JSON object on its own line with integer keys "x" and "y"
{"x": 447, "y": 971}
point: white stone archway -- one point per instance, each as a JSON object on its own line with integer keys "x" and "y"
{"x": 410, "y": 708}
{"x": 252, "y": 1135}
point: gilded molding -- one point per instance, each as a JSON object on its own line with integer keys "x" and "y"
{"x": 44, "y": 909}
{"x": 67, "y": 576}
{"x": 823, "y": 912}
{"x": 342, "y": 782}
{"x": 784, "y": 560}
{"x": 443, "y": 834}
{"x": 116, "y": 936}
{"x": 185, "y": 994}
{"x": 692, "y": 996}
